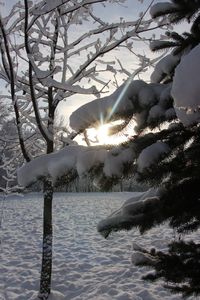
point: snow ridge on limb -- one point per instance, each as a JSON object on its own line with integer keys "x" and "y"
{"x": 77, "y": 159}
{"x": 165, "y": 67}
{"x": 186, "y": 88}
{"x": 132, "y": 213}
{"x": 135, "y": 99}
{"x": 52, "y": 165}
{"x": 92, "y": 112}
{"x": 151, "y": 154}
{"x": 157, "y": 206}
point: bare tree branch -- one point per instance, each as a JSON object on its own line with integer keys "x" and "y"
{"x": 11, "y": 76}
{"x": 31, "y": 83}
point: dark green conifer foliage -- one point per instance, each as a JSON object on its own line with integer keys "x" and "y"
{"x": 180, "y": 199}
{"x": 189, "y": 10}
{"x": 177, "y": 174}
{"x": 179, "y": 267}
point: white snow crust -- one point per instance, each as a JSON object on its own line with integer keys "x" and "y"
{"x": 156, "y": 112}
{"x": 82, "y": 159}
{"x": 119, "y": 102}
{"x": 130, "y": 213}
{"x": 55, "y": 295}
{"x": 147, "y": 96}
{"x": 164, "y": 67}
{"x": 114, "y": 164}
{"x": 53, "y": 165}
{"x": 151, "y": 154}
{"x": 85, "y": 265}
{"x": 139, "y": 258}
{"x": 74, "y": 158}
{"x": 186, "y": 88}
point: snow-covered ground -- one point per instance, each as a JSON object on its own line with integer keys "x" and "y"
{"x": 85, "y": 266}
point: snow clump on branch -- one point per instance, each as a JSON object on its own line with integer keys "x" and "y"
{"x": 137, "y": 99}
{"x": 77, "y": 159}
{"x": 151, "y": 154}
{"x": 186, "y": 88}
{"x": 131, "y": 213}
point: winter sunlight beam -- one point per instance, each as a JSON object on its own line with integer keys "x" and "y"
{"x": 124, "y": 90}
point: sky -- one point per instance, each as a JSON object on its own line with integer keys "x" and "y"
{"x": 132, "y": 5}
{"x": 129, "y": 10}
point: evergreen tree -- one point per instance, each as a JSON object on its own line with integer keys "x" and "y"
{"x": 175, "y": 173}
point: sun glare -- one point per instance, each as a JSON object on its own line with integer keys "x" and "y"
{"x": 100, "y": 135}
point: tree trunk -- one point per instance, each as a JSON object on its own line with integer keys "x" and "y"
{"x": 46, "y": 270}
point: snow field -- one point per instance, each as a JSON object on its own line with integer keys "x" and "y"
{"x": 85, "y": 265}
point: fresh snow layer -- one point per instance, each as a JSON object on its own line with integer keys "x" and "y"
{"x": 129, "y": 213}
{"x": 186, "y": 88}
{"x": 151, "y": 154}
{"x": 85, "y": 266}
{"x": 123, "y": 102}
{"x": 164, "y": 67}
{"x": 105, "y": 108}
{"x": 53, "y": 165}
{"x": 78, "y": 159}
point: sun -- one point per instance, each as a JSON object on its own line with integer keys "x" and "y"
{"x": 100, "y": 135}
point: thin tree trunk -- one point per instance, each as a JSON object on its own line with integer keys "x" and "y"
{"x": 45, "y": 279}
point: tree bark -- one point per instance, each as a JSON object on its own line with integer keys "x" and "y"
{"x": 46, "y": 270}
